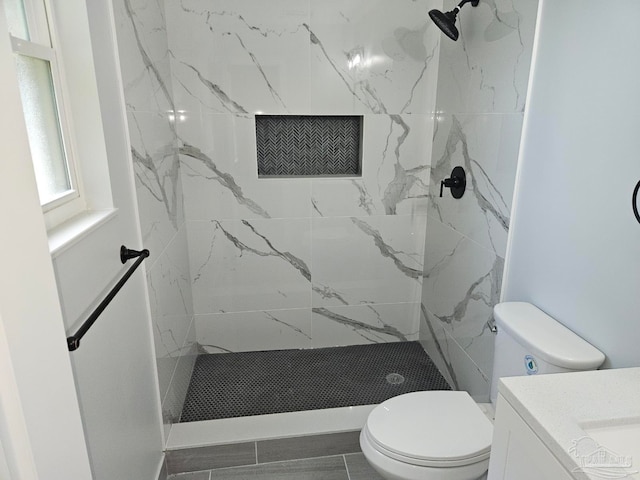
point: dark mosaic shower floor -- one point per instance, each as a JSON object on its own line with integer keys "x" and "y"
{"x": 257, "y": 383}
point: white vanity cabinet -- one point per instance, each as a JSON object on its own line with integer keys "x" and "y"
{"x": 517, "y": 453}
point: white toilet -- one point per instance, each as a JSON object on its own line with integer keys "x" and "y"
{"x": 445, "y": 435}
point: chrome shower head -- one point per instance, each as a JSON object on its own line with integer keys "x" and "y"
{"x": 446, "y": 21}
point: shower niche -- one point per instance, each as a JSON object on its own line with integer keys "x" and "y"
{"x": 309, "y": 145}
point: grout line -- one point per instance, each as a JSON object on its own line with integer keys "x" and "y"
{"x": 164, "y": 247}
{"x": 298, "y": 459}
{"x": 472, "y": 240}
{"x": 256, "y": 449}
{"x": 482, "y": 373}
{"x": 346, "y": 467}
{"x": 303, "y": 308}
{"x": 450, "y": 336}
{"x": 279, "y": 461}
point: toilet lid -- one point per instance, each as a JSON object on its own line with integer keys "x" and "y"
{"x": 435, "y": 426}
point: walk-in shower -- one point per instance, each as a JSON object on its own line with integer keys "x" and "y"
{"x": 278, "y": 287}
{"x": 311, "y": 280}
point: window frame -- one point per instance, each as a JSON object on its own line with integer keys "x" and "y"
{"x": 42, "y": 43}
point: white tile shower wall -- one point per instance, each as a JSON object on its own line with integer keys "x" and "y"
{"x": 487, "y": 69}
{"x": 169, "y": 284}
{"x": 358, "y": 324}
{"x": 157, "y": 175}
{"x": 482, "y": 83}
{"x": 461, "y": 284}
{"x": 300, "y": 263}
{"x": 367, "y": 260}
{"x": 487, "y": 147}
{"x": 145, "y": 70}
{"x": 458, "y": 368}
{"x": 249, "y": 265}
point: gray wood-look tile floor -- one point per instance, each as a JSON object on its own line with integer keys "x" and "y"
{"x": 352, "y": 466}
{"x": 317, "y": 457}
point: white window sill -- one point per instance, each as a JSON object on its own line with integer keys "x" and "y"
{"x": 70, "y": 232}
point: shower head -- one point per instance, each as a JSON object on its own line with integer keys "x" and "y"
{"x": 446, "y": 21}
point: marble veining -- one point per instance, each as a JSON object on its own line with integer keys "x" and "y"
{"x": 373, "y": 57}
{"x": 157, "y": 179}
{"x": 148, "y": 63}
{"x": 273, "y": 318}
{"x": 482, "y": 82}
{"x": 395, "y": 174}
{"x": 227, "y": 103}
{"x": 161, "y": 187}
{"x": 274, "y": 94}
{"x": 243, "y": 73}
{"x": 328, "y": 293}
{"x": 487, "y": 69}
{"x": 170, "y": 301}
{"x": 400, "y": 187}
{"x": 442, "y": 353}
{"x": 369, "y": 332}
{"x": 476, "y": 293}
{"x": 480, "y": 186}
{"x": 460, "y": 287}
{"x": 367, "y": 95}
{"x": 503, "y": 24}
{"x": 258, "y": 330}
{"x": 314, "y": 204}
{"x": 364, "y": 198}
{"x": 367, "y": 260}
{"x": 224, "y": 179}
{"x": 206, "y": 348}
{"x": 461, "y": 284}
{"x": 151, "y": 111}
{"x": 241, "y": 265}
{"x": 271, "y": 250}
{"x": 386, "y": 250}
{"x": 363, "y": 90}
{"x": 263, "y": 256}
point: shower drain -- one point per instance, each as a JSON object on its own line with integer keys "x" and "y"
{"x": 395, "y": 379}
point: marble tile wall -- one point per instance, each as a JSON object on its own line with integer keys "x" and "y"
{"x": 481, "y": 93}
{"x": 145, "y": 69}
{"x": 306, "y": 262}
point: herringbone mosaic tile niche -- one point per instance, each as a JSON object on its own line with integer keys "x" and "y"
{"x": 308, "y": 145}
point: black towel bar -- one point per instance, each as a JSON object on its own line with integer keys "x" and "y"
{"x": 73, "y": 342}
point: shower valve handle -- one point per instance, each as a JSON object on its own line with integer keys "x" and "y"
{"x": 457, "y": 182}
{"x": 452, "y": 182}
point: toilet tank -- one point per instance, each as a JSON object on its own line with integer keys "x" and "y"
{"x": 530, "y": 342}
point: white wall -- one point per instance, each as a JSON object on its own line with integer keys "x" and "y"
{"x": 40, "y": 426}
{"x": 114, "y": 367}
{"x": 107, "y": 425}
{"x": 575, "y": 245}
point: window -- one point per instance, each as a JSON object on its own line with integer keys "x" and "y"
{"x": 43, "y": 101}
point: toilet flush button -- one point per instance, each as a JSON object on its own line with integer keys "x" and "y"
{"x": 531, "y": 365}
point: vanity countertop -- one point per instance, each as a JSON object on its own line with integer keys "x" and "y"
{"x": 568, "y": 411}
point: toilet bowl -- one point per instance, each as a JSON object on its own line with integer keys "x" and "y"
{"x": 435, "y": 435}
{"x": 445, "y": 435}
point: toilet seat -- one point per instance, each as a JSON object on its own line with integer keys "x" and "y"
{"x": 432, "y": 429}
